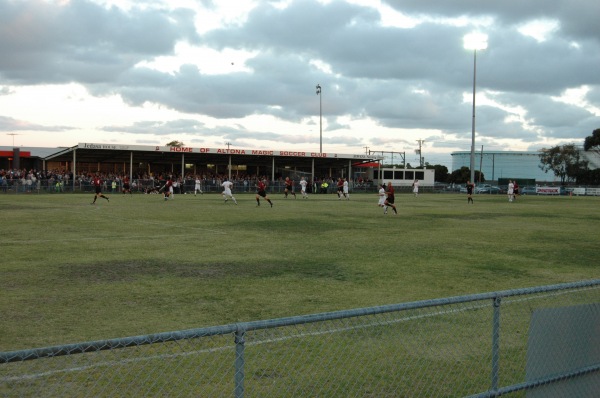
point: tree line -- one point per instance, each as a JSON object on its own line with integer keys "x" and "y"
{"x": 568, "y": 164}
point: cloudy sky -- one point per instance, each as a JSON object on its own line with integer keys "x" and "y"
{"x": 238, "y": 73}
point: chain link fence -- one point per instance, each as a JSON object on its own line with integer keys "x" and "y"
{"x": 138, "y": 185}
{"x": 535, "y": 342}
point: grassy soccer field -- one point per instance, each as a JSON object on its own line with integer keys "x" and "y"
{"x": 74, "y": 272}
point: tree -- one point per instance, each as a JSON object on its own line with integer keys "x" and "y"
{"x": 176, "y": 143}
{"x": 565, "y": 161}
{"x": 462, "y": 175}
{"x": 592, "y": 143}
{"x": 590, "y": 177}
{"x": 441, "y": 172}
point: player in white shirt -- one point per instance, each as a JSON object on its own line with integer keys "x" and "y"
{"x": 172, "y": 190}
{"x": 227, "y": 185}
{"x": 198, "y": 186}
{"x": 381, "y": 196}
{"x": 416, "y": 188}
{"x": 345, "y": 190}
{"x": 511, "y": 191}
{"x": 303, "y": 184}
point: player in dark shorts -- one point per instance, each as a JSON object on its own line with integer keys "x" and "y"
{"x": 98, "y": 186}
{"x": 262, "y": 193}
{"x": 470, "y": 187}
{"x": 289, "y": 187}
{"x": 389, "y": 200}
{"x": 340, "y": 188}
{"x": 167, "y": 188}
{"x": 126, "y": 186}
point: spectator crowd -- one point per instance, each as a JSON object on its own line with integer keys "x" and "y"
{"x": 61, "y": 180}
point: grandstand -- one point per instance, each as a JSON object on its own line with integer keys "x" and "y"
{"x": 153, "y": 160}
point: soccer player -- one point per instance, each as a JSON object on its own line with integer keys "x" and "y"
{"x": 261, "y": 192}
{"x": 381, "y": 194}
{"x": 289, "y": 187}
{"x": 340, "y": 188}
{"x": 389, "y": 200}
{"x": 346, "y": 192}
{"x": 98, "y": 186}
{"x": 511, "y": 191}
{"x": 198, "y": 186}
{"x": 227, "y": 185}
{"x": 168, "y": 188}
{"x": 470, "y": 186}
{"x": 174, "y": 186}
{"x": 416, "y": 188}
{"x": 303, "y": 184}
{"x": 126, "y": 185}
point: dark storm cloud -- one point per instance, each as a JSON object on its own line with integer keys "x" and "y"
{"x": 516, "y": 63}
{"x": 578, "y": 18}
{"x": 388, "y": 60}
{"x": 406, "y": 78}
{"x": 428, "y": 52}
{"x": 82, "y": 41}
{"x": 593, "y": 96}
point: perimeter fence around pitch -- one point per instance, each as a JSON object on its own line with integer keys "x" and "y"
{"x": 187, "y": 186}
{"x": 152, "y": 185}
{"x": 535, "y": 342}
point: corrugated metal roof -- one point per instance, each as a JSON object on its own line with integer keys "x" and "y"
{"x": 35, "y": 151}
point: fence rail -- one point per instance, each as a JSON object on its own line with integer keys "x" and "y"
{"x": 149, "y": 185}
{"x": 541, "y": 340}
{"x": 19, "y": 186}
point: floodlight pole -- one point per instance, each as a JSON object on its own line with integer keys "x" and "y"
{"x": 420, "y": 152}
{"x": 320, "y": 118}
{"x": 13, "y": 138}
{"x": 472, "y": 165}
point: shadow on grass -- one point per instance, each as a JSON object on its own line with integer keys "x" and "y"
{"x": 131, "y": 271}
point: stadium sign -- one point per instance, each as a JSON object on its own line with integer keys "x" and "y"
{"x": 222, "y": 151}
{"x": 547, "y": 190}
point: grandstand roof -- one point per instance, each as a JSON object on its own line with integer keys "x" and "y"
{"x": 33, "y": 151}
{"x": 116, "y": 153}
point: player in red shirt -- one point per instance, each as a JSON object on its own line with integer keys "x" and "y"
{"x": 167, "y": 188}
{"x": 289, "y": 187}
{"x": 98, "y": 186}
{"x": 389, "y": 201}
{"x": 126, "y": 186}
{"x": 262, "y": 193}
{"x": 470, "y": 187}
{"x": 340, "y": 188}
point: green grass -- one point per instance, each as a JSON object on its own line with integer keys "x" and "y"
{"x": 138, "y": 265}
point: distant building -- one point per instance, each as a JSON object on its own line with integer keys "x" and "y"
{"x": 397, "y": 176}
{"x": 504, "y": 164}
{"x": 24, "y": 157}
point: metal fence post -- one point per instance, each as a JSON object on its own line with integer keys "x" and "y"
{"x": 496, "y": 343}
{"x": 239, "y": 363}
